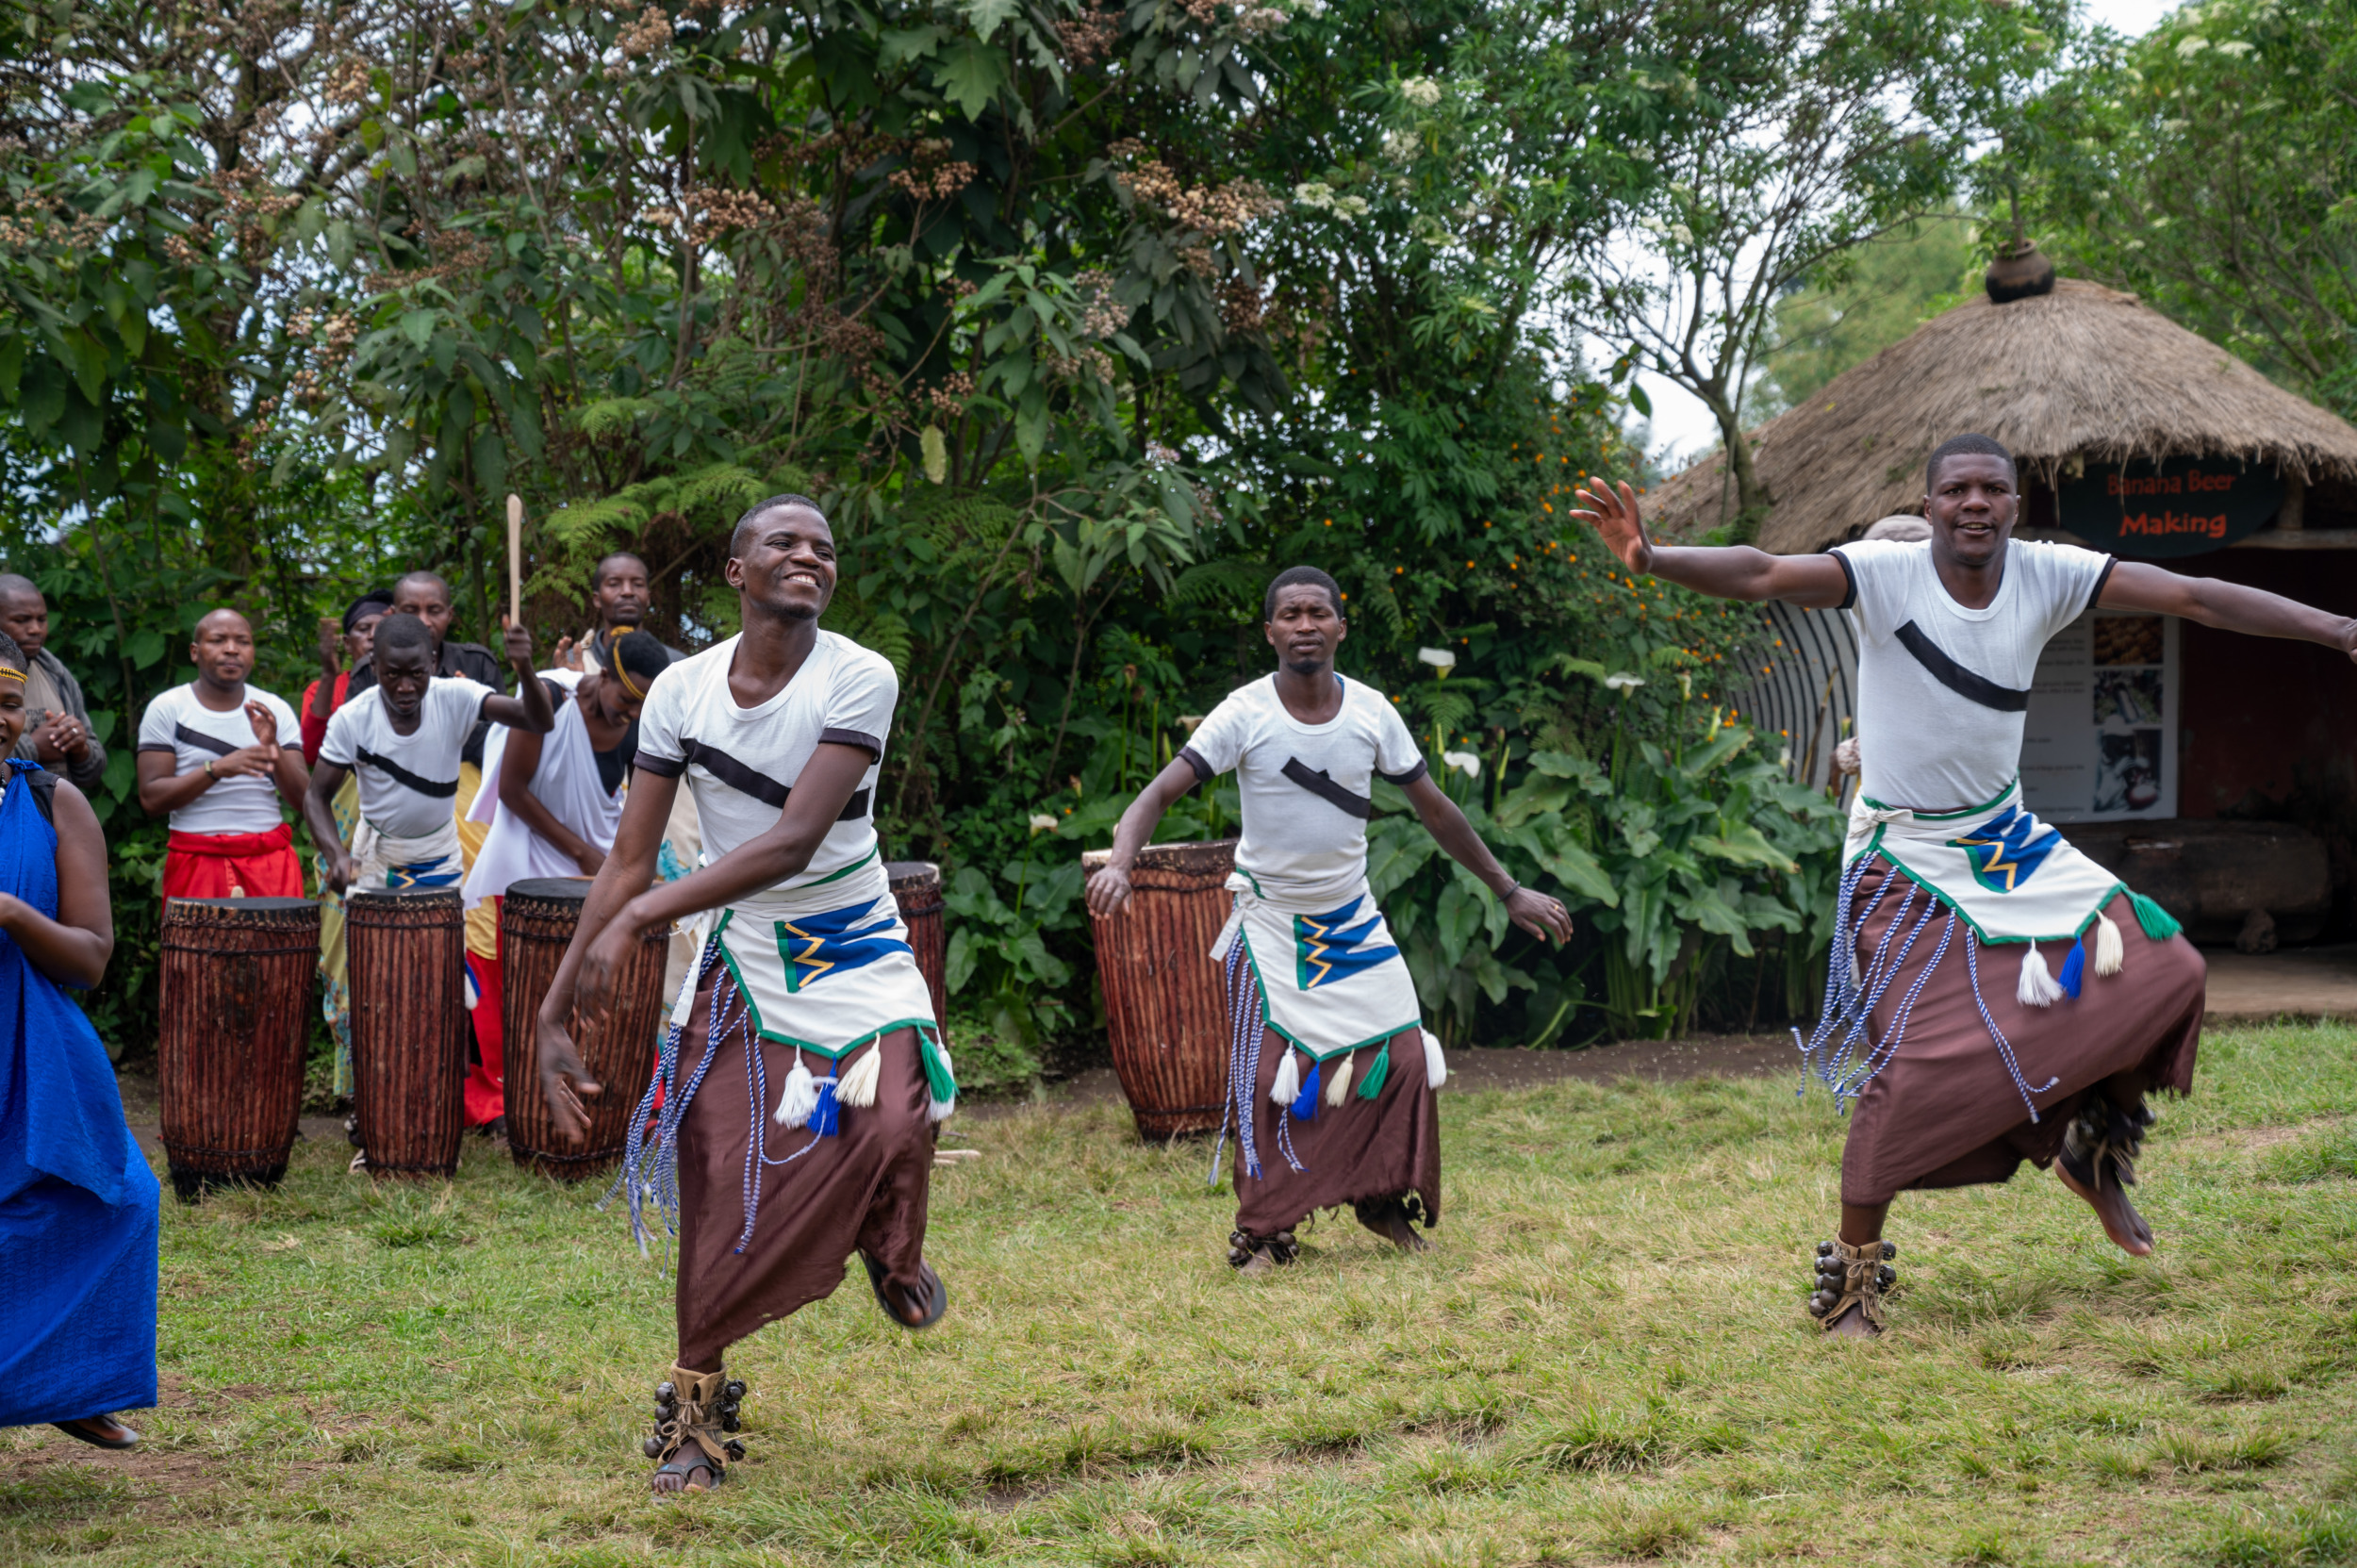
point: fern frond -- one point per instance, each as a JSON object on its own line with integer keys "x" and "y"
{"x": 1226, "y": 580}
{"x": 591, "y": 524}
{"x": 611, "y": 417}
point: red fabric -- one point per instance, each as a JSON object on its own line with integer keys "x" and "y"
{"x": 233, "y": 864}
{"x": 314, "y": 726}
{"x": 486, "y": 1083}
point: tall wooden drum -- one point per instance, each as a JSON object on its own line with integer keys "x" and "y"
{"x": 235, "y": 1010}
{"x": 1163, "y": 1005}
{"x": 408, "y": 981}
{"x": 916, "y": 888}
{"x": 536, "y": 923}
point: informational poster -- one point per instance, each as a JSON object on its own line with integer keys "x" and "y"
{"x": 2100, "y": 740}
{"x": 2181, "y": 506}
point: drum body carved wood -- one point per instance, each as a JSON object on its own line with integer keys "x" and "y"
{"x": 916, "y": 888}
{"x": 234, "y": 1013}
{"x": 1165, "y": 1008}
{"x": 536, "y": 923}
{"x": 409, "y": 1029}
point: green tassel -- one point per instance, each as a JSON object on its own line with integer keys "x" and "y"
{"x": 2158, "y": 923}
{"x": 1371, "y": 1081}
{"x": 937, "y": 1079}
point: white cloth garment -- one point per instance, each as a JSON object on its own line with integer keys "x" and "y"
{"x": 409, "y": 784}
{"x": 388, "y": 860}
{"x": 177, "y": 722}
{"x": 567, "y": 782}
{"x": 1304, "y": 788}
{"x": 2011, "y": 877}
{"x": 740, "y": 763}
{"x": 1943, "y": 690}
{"x": 1331, "y": 979}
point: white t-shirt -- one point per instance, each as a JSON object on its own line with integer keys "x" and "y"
{"x": 409, "y": 784}
{"x": 175, "y": 721}
{"x": 1305, "y": 786}
{"x": 1943, "y": 690}
{"x": 740, "y": 762}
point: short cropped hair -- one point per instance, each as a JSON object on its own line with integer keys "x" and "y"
{"x": 642, "y": 655}
{"x": 422, "y": 576}
{"x": 398, "y": 633}
{"x": 12, "y": 655}
{"x": 597, "y": 573}
{"x": 1958, "y": 446}
{"x": 759, "y": 509}
{"x": 1294, "y": 576}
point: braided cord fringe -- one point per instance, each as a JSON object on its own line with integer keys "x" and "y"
{"x": 1243, "y": 1066}
{"x": 1851, "y": 994}
{"x": 650, "y": 1164}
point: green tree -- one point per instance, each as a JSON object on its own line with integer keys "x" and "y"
{"x": 1870, "y": 298}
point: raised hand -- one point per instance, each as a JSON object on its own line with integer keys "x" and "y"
{"x": 1614, "y": 518}
{"x": 331, "y": 645}
{"x": 265, "y": 728}
{"x": 519, "y": 648}
{"x": 568, "y": 654}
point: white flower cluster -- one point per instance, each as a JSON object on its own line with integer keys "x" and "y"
{"x": 1423, "y": 92}
{"x": 1319, "y": 197}
{"x": 1401, "y": 146}
{"x": 1661, "y": 230}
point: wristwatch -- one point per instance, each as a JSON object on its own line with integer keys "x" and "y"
{"x": 209, "y": 770}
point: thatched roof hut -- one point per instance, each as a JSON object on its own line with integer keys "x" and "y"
{"x": 2078, "y": 375}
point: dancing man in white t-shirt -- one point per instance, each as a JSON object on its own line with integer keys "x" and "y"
{"x": 404, "y": 737}
{"x": 211, "y": 755}
{"x": 1331, "y": 1072}
{"x": 807, "y": 997}
{"x": 1957, "y": 1082}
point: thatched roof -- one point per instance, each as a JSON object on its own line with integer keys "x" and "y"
{"x": 2082, "y": 372}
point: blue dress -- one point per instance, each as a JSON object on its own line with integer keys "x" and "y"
{"x": 77, "y": 1200}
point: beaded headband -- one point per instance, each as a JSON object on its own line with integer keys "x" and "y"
{"x": 621, "y": 675}
{"x": 9, "y": 672}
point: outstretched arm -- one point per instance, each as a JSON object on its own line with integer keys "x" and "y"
{"x": 1534, "y": 911}
{"x": 2229, "y": 606}
{"x": 530, "y": 709}
{"x": 1723, "y": 571}
{"x": 1109, "y": 888}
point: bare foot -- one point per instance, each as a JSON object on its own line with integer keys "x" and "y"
{"x": 689, "y": 1470}
{"x": 1390, "y": 1220}
{"x": 2121, "y": 1223}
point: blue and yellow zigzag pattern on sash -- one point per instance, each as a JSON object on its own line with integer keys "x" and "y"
{"x": 1325, "y": 950}
{"x": 817, "y": 946}
{"x": 2006, "y": 851}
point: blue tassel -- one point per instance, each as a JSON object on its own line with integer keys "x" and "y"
{"x": 2075, "y": 968}
{"x": 826, "y": 1113}
{"x": 1306, "y": 1102}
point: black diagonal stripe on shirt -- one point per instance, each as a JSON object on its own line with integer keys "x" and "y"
{"x": 762, "y": 787}
{"x": 402, "y": 777}
{"x": 1964, "y": 682}
{"x": 202, "y": 741}
{"x": 1314, "y": 780}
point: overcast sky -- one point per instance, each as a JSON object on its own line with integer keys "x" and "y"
{"x": 1684, "y": 430}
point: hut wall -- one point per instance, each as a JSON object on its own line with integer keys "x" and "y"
{"x": 2262, "y": 718}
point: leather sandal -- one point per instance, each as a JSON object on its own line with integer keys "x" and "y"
{"x": 937, "y": 1300}
{"x": 693, "y": 1412}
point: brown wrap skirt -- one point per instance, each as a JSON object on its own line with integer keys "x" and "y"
{"x": 1387, "y": 1147}
{"x": 863, "y": 1190}
{"x": 1945, "y": 1113}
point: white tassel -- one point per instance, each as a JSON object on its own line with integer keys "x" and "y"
{"x": 858, "y": 1088}
{"x": 1288, "y": 1085}
{"x": 1338, "y": 1087}
{"x": 2038, "y": 988}
{"x": 2110, "y": 952}
{"x": 1435, "y": 1065}
{"x": 800, "y": 1097}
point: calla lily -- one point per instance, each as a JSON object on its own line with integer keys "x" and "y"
{"x": 1042, "y": 822}
{"x": 1189, "y": 720}
{"x": 1465, "y": 762}
{"x": 1439, "y": 658}
{"x": 1623, "y": 680}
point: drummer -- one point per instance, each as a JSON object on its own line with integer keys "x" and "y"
{"x": 552, "y": 805}
{"x": 403, "y": 738}
{"x": 209, "y": 754}
{"x": 1332, "y": 1099}
{"x": 807, "y": 991}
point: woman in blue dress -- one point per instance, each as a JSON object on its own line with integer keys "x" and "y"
{"x": 77, "y": 1200}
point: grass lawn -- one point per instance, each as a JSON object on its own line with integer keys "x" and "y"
{"x": 1605, "y": 1359}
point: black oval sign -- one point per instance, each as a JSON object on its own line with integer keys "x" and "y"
{"x": 2181, "y": 506}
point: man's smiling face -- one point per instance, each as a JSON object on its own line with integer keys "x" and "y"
{"x": 1971, "y": 507}
{"x": 783, "y": 560}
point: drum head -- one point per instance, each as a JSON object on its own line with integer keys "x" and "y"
{"x": 557, "y": 889}
{"x": 258, "y": 905}
{"x": 419, "y": 895}
{"x": 912, "y": 873}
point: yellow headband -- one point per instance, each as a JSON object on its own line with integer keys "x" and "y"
{"x": 9, "y": 672}
{"x": 619, "y": 673}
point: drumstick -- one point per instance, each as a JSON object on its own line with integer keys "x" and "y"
{"x": 515, "y": 560}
